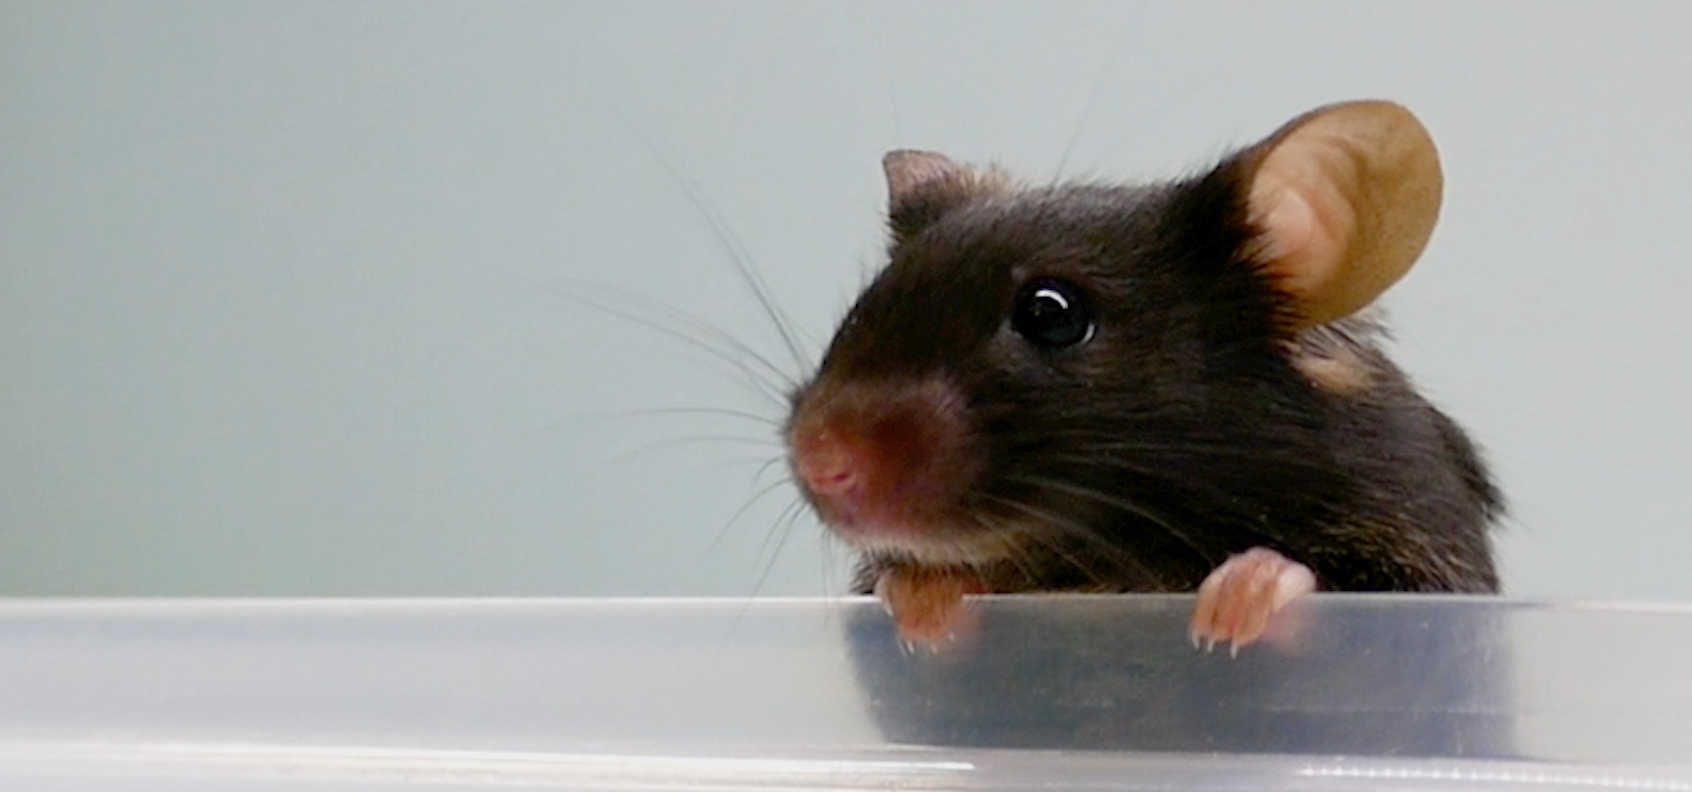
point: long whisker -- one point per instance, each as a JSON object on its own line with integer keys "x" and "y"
{"x": 1011, "y": 551}
{"x": 722, "y": 411}
{"x": 759, "y": 495}
{"x": 1143, "y": 456}
{"x": 731, "y": 246}
{"x": 1094, "y": 495}
{"x": 733, "y": 351}
{"x": 680, "y": 442}
{"x": 591, "y": 417}
{"x": 769, "y": 565}
{"x": 771, "y": 463}
{"x": 1115, "y": 502}
{"x": 781, "y": 531}
{"x": 762, "y": 442}
{"x": 1074, "y": 530}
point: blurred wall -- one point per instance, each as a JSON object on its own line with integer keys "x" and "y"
{"x": 284, "y": 286}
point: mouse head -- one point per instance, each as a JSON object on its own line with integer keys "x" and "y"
{"x": 1048, "y": 369}
{"x": 1343, "y": 199}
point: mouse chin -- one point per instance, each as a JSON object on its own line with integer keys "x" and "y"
{"x": 866, "y": 531}
{"x": 907, "y": 524}
{"x": 922, "y": 543}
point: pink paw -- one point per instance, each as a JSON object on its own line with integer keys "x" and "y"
{"x": 928, "y": 605}
{"x": 1237, "y": 598}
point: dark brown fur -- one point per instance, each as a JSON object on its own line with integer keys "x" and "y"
{"x": 1196, "y": 423}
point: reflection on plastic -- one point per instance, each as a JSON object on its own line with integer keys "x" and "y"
{"x": 1340, "y": 684}
{"x": 1351, "y": 692}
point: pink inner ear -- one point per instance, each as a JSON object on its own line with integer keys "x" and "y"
{"x": 1345, "y": 198}
{"x": 909, "y": 171}
{"x": 1287, "y": 223}
{"x": 1305, "y": 229}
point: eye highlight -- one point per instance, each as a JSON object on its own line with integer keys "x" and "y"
{"x": 1052, "y": 313}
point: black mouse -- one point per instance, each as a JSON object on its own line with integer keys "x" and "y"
{"x": 1166, "y": 387}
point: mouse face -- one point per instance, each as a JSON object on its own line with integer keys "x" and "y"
{"x": 1093, "y": 387}
{"x": 1034, "y": 377}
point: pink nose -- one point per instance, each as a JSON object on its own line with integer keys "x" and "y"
{"x": 883, "y": 462}
{"x": 827, "y": 466}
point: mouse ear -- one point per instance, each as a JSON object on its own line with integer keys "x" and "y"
{"x": 1344, "y": 199}
{"x": 910, "y": 172}
{"x": 922, "y": 185}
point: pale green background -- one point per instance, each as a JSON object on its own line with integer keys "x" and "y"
{"x": 280, "y": 282}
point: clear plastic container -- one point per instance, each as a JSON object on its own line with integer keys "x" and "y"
{"x": 1052, "y": 693}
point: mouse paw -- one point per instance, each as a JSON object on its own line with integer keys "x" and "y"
{"x": 927, "y": 605}
{"x": 1237, "y": 598}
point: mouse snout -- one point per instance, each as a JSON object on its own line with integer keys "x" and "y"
{"x": 881, "y": 462}
{"x": 830, "y": 467}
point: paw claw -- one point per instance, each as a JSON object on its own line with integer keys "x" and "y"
{"x": 1238, "y": 599}
{"x": 927, "y": 606}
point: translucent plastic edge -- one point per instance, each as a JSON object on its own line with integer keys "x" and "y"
{"x": 981, "y": 770}
{"x": 68, "y": 604}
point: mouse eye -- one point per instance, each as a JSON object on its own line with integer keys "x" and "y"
{"x": 1051, "y": 313}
